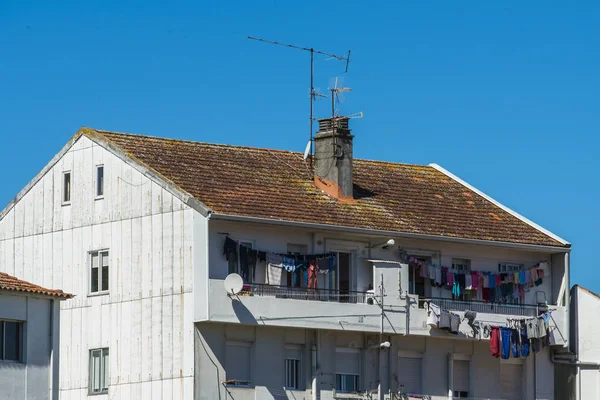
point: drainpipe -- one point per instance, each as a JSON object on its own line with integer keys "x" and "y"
{"x": 51, "y": 358}
{"x": 316, "y": 365}
{"x": 567, "y": 299}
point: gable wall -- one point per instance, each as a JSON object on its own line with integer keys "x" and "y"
{"x": 149, "y": 235}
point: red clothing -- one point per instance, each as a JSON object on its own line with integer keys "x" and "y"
{"x": 312, "y": 274}
{"x": 495, "y": 341}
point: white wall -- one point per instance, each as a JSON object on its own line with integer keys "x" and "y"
{"x": 32, "y": 378}
{"x": 588, "y": 326}
{"x": 268, "y": 345}
{"x": 147, "y": 317}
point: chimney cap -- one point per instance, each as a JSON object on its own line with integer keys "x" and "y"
{"x": 341, "y": 124}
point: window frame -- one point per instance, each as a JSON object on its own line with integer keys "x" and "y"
{"x": 97, "y": 182}
{"x": 21, "y": 344}
{"x": 100, "y": 253}
{"x": 345, "y": 390}
{"x": 505, "y": 267}
{"x": 64, "y": 188}
{"x": 297, "y": 372}
{"x": 104, "y": 351}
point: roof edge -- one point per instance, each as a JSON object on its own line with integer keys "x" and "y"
{"x": 99, "y": 138}
{"x": 500, "y": 205}
{"x": 587, "y": 291}
{"x": 368, "y": 231}
{"x": 11, "y": 204}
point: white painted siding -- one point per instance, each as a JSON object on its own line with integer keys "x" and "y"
{"x": 149, "y": 235}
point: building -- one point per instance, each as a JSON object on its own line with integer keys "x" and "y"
{"x": 136, "y": 228}
{"x": 578, "y": 367}
{"x": 29, "y": 339}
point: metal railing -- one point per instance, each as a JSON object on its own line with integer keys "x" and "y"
{"x": 302, "y": 293}
{"x": 529, "y": 310}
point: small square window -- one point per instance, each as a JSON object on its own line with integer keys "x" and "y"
{"x": 11, "y": 340}
{"x": 346, "y": 383}
{"x": 100, "y": 181}
{"x": 99, "y": 271}
{"x": 99, "y": 363}
{"x": 66, "y": 194}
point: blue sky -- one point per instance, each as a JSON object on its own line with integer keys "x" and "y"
{"x": 503, "y": 94}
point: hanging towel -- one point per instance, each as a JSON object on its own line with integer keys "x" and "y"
{"x": 468, "y": 281}
{"x": 475, "y": 280}
{"x": 424, "y": 271}
{"x": 438, "y": 277}
{"x": 274, "y": 274}
{"x": 499, "y": 279}
{"x": 433, "y": 316}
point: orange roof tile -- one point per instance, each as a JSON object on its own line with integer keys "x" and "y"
{"x": 10, "y": 283}
{"x": 278, "y": 185}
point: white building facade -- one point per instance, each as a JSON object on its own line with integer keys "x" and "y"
{"x": 578, "y": 369}
{"x": 151, "y": 318}
{"x": 29, "y": 340}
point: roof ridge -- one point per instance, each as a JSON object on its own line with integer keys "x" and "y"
{"x": 237, "y": 146}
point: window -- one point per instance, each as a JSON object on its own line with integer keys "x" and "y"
{"x": 461, "y": 379}
{"x": 66, "y": 187}
{"x": 98, "y": 371}
{"x": 99, "y": 271}
{"x": 238, "y": 363}
{"x": 100, "y": 181}
{"x": 509, "y": 267}
{"x": 347, "y": 366}
{"x": 11, "y": 340}
{"x": 346, "y": 383}
{"x": 293, "y": 355}
{"x": 460, "y": 264}
{"x": 409, "y": 371}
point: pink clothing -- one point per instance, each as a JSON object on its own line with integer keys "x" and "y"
{"x": 450, "y": 278}
{"x": 474, "y": 280}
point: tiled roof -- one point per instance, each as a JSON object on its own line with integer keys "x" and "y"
{"x": 10, "y": 283}
{"x": 278, "y": 185}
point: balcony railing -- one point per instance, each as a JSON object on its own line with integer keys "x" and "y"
{"x": 301, "y": 293}
{"x": 529, "y": 310}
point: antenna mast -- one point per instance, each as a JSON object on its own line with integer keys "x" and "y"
{"x": 313, "y": 94}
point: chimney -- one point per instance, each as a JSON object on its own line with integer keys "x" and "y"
{"x": 333, "y": 158}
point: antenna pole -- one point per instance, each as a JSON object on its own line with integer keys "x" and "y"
{"x": 312, "y": 95}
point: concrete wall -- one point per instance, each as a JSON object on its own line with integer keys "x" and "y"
{"x": 36, "y": 376}
{"x": 146, "y": 318}
{"x": 268, "y": 344}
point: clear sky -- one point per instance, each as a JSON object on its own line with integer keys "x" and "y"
{"x": 502, "y": 94}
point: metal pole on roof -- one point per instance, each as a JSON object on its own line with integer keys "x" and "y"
{"x": 312, "y": 94}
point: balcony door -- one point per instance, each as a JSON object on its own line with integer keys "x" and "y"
{"x": 343, "y": 267}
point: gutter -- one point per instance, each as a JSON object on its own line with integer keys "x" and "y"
{"x": 571, "y": 360}
{"x": 367, "y": 231}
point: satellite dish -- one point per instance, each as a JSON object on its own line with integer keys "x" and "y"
{"x": 306, "y": 150}
{"x": 233, "y": 284}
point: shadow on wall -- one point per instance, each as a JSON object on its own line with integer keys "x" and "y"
{"x": 242, "y": 313}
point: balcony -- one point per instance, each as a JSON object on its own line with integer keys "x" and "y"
{"x": 300, "y": 293}
{"x": 259, "y": 304}
{"x": 525, "y": 310}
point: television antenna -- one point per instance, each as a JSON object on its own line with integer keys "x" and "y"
{"x": 312, "y": 93}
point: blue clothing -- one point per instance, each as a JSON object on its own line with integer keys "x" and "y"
{"x": 492, "y": 281}
{"x": 505, "y": 335}
{"x": 515, "y": 345}
{"x": 289, "y": 264}
{"x": 524, "y": 343}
